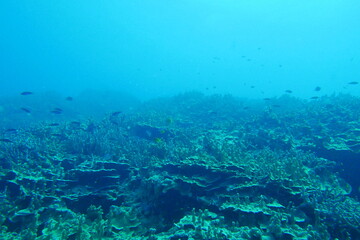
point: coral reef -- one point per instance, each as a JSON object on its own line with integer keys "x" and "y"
{"x": 188, "y": 167}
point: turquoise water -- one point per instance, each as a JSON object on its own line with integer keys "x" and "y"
{"x": 157, "y": 48}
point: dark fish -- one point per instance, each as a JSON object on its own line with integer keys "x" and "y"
{"x": 315, "y": 97}
{"x": 10, "y": 130}
{"x": 317, "y": 89}
{"x": 26, "y": 110}
{"x": 252, "y": 86}
{"x": 288, "y": 91}
{"x": 56, "y": 112}
{"x": 267, "y": 99}
{"x": 115, "y": 114}
{"x": 53, "y": 124}
{"x": 57, "y": 135}
{"x": 5, "y": 140}
{"x": 353, "y": 83}
{"x": 69, "y": 98}
{"x": 26, "y": 93}
{"x": 276, "y": 105}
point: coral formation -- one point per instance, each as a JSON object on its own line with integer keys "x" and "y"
{"x": 188, "y": 167}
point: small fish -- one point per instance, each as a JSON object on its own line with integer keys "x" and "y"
{"x": 5, "y": 140}
{"x": 315, "y": 97}
{"x": 26, "y": 110}
{"x": 317, "y": 89}
{"x": 56, "y": 135}
{"x": 56, "y": 112}
{"x": 10, "y": 130}
{"x": 288, "y": 91}
{"x": 26, "y": 93}
{"x": 353, "y": 83}
{"x": 69, "y": 99}
{"x": 266, "y": 99}
{"x": 252, "y": 86}
{"x": 276, "y": 105}
{"x": 53, "y": 124}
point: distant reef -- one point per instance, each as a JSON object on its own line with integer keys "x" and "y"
{"x": 182, "y": 168}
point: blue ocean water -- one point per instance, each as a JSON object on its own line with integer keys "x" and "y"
{"x": 160, "y": 48}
